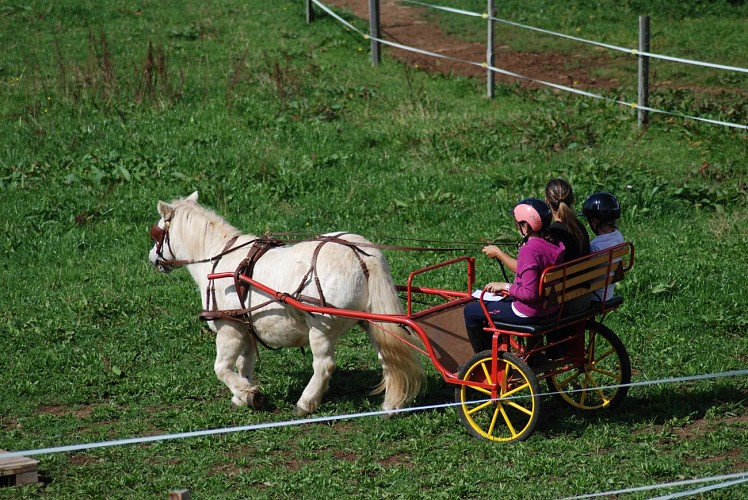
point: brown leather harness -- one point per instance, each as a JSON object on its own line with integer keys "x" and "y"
{"x": 259, "y": 247}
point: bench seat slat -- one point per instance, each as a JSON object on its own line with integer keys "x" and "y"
{"x": 560, "y": 298}
{"x": 594, "y": 262}
{"x": 600, "y": 273}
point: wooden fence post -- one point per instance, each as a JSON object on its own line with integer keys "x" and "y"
{"x": 643, "y": 71}
{"x": 490, "y": 77}
{"x": 309, "y": 12}
{"x": 374, "y": 32}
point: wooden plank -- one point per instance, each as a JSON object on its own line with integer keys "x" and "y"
{"x": 586, "y": 282}
{"x": 572, "y": 281}
{"x": 448, "y": 336}
{"x": 18, "y": 470}
{"x": 571, "y": 269}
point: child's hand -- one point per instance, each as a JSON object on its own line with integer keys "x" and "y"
{"x": 497, "y": 287}
{"x": 492, "y": 251}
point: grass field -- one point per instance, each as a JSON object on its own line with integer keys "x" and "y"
{"x": 108, "y": 107}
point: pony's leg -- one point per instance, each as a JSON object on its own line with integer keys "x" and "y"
{"x": 230, "y": 345}
{"x": 245, "y": 365}
{"x": 322, "y": 346}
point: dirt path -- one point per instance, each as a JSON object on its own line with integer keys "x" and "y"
{"x": 407, "y": 25}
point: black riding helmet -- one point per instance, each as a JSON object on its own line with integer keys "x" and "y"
{"x": 602, "y": 206}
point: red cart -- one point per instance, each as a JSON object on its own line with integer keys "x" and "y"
{"x": 498, "y": 391}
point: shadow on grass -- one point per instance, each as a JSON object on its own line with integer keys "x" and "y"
{"x": 352, "y": 387}
{"x": 350, "y": 392}
{"x": 659, "y": 407}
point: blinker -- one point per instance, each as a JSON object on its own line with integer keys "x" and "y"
{"x": 157, "y": 233}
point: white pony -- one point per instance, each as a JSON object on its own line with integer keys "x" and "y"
{"x": 190, "y": 235}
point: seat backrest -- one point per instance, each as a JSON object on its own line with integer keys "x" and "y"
{"x": 578, "y": 277}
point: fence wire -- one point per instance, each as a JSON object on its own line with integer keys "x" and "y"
{"x": 635, "y": 52}
{"x": 332, "y": 418}
{"x": 485, "y": 65}
{"x": 726, "y": 481}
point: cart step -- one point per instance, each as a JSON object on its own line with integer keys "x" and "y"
{"x": 17, "y": 470}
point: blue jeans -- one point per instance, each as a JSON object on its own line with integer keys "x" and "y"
{"x": 475, "y": 321}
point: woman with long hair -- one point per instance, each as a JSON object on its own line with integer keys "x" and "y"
{"x": 566, "y": 227}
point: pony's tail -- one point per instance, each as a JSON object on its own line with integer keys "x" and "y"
{"x": 403, "y": 374}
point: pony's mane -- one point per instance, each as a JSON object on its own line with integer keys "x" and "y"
{"x": 200, "y": 229}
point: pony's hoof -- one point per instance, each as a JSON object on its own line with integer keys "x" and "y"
{"x": 390, "y": 413}
{"x": 255, "y": 400}
{"x": 301, "y": 412}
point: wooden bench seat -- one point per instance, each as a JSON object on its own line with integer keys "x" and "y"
{"x": 563, "y": 283}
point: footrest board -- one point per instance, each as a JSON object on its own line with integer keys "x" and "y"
{"x": 17, "y": 470}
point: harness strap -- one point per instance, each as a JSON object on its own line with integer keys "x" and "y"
{"x": 356, "y": 251}
{"x": 210, "y": 292}
{"x": 240, "y": 316}
{"x": 312, "y": 272}
{"x": 246, "y": 268}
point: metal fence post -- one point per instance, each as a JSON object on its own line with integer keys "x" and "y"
{"x": 643, "y": 71}
{"x": 374, "y": 32}
{"x": 491, "y": 10}
{"x": 309, "y": 12}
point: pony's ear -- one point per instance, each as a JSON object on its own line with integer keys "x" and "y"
{"x": 192, "y": 197}
{"x": 165, "y": 210}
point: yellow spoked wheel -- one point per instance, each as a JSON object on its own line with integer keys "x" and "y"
{"x": 512, "y": 416}
{"x": 597, "y": 383}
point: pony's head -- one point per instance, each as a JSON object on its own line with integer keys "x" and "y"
{"x": 162, "y": 254}
{"x": 187, "y": 233}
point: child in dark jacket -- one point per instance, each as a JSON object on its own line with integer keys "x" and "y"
{"x": 602, "y": 211}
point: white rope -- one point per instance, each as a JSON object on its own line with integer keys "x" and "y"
{"x": 635, "y": 52}
{"x": 332, "y": 418}
{"x": 523, "y": 77}
{"x": 335, "y": 16}
{"x": 703, "y": 489}
{"x": 560, "y": 87}
{"x": 726, "y": 480}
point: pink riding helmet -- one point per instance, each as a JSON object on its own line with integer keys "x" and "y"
{"x": 535, "y": 212}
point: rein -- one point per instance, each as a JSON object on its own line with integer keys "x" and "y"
{"x": 161, "y": 236}
{"x": 260, "y": 245}
{"x": 400, "y": 247}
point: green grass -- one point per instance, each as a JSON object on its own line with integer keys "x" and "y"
{"x": 284, "y": 126}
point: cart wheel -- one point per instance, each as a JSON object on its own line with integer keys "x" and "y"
{"x": 509, "y": 419}
{"x": 596, "y": 384}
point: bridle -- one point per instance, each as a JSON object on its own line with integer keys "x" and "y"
{"x": 160, "y": 235}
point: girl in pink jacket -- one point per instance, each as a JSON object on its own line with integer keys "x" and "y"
{"x": 522, "y": 304}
